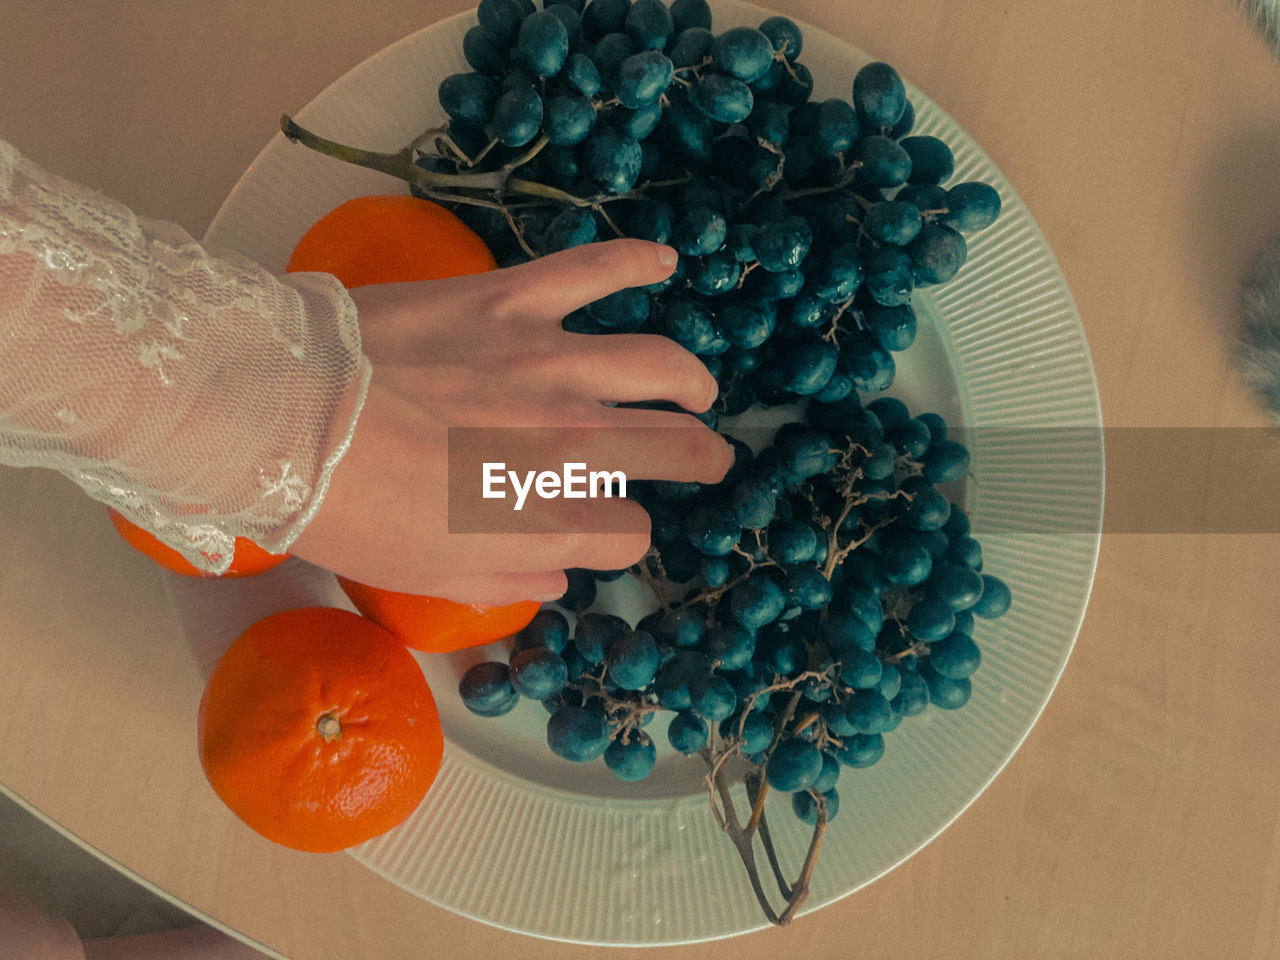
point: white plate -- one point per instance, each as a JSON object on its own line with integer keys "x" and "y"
{"x": 515, "y": 837}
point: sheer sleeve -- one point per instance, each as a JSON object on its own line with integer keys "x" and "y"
{"x": 195, "y": 393}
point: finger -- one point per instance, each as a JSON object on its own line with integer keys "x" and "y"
{"x": 659, "y": 445}
{"x": 559, "y": 283}
{"x": 498, "y": 589}
{"x": 626, "y": 368}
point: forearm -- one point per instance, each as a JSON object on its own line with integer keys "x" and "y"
{"x": 197, "y": 394}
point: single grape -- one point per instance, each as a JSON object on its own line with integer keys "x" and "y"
{"x": 883, "y": 162}
{"x": 938, "y": 253}
{"x": 649, "y": 24}
{"x": 752, "y": 501}
{"x": 486, "y": 689}
{"x": 730, "y": 646}
{"x": 931, "y": 160}
{"x": 722, "y": 98}
{"x": 501, "y": 20}
{"x": 945, "y": 461}
{"x": 482, "y": 54}
{"x": 860, "y": 750}
{"x": 516, "y": 117}
{"x": 995, "y": 600}
{"x": 956, "y": 656}
{"x": 675, "y": 678}
{"x": 783, "y": 244}
{"x": 542, "y": 44}
{"x": 756, "y": 601}
{"x": 794, "y": 765}
{"x": 631, "y": 757}
{"x": 930, "y": 618}
{"x": 691, "y": 13}
{"x": 690, "y": 47}
{"x": 600, "y": 17}
{"x": 538, "y": 673}
{"x": 581, "y": 74}
{"x": 687, "y": 732}
{"x": 548, "y": 628}
{"x": 784, "y": 35}
{"x": 971, "y": 206}
{"x": 712, "y": 698}
{"x": 879, "y": 95}
{"x": 642, "y": 78}
{"x": 742, "y": 52}
{"x": 577, "y": 734}
{"x": 836, "y": 274}
{"x": 945, "y": 692}
{"x": 913, "y": 694}
{"x": 890, "y": 280}
{"x": 906, "y": 564}
{"x": 468, "y": 97}
{"x": 804, "y": 806}
{"x": 894, "y": 221}
{"x": 860, "y": 669}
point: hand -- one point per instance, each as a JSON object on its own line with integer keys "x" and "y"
{"x": 488, "y": 351}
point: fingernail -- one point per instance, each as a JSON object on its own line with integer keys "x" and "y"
{"x": 667, "y": 256}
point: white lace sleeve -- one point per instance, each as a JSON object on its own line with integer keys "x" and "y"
{"x": 198, "y": 395}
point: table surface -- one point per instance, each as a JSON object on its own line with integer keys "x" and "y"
{"x": 1141, "y": 818}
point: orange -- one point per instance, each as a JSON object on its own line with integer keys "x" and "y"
{"x": 390, "y": 239}
{"x": 318, "y": 730}
{"x": 435, "y": 625}
{"x": 249, "y": 560}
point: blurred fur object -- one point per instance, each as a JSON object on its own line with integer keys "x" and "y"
{"x": 1258, "y": 353}
{"x": 1266, "y": 15}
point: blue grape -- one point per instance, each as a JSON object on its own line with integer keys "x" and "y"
{"x": 747, "y": 325}
{"x": 743, "y": 52}
{"x": 730, "y": 646}
{"x": 784, "y": 35}
{"x": 714, "y": 274}
{"x": 712, "y": 698}
{"x": 756, "y": 730}
{"x": 837, "y": 273}
{"x": 945, "y": 461}
{"x": 860, "y": 750}
{"x": 931, "y": 160}
{"x": 804, "y": 806}
{"x": 938, "y": 253}
{"x": 792, "y": 541}
{"x": 883, "y": 162}
{"x": 538, "y": 673}
{"x": 568, "y": 120}
{"x": 794, "y": 765}
{"x": 612, "y": 160}
{"x": 542, "y": 44}
{"x": 501, "y": 20}
{"x": 756, "y": 601}
{"x": 632, "y": 756}
{"x": 571, "y": 227}
{"x": 468, "y": 97}
{"x": 879, "y": 95}
{"x": 845, "y": 634}
{"x": 890, "y": 279}
{"x": 680, "y": 628}
{"x": 955, "y": 657}
{"x": 691, "y": 13}
{"x": 604, "y": 16}
{"x": 548, "y": 628}
{"x": 753, "y": 504}
{"x": 649, "y": 24}
{"x": 971, "y": 206}
{"x": 486, "y": 689}
{"x": 963, "y": 549}
{"x": 577, "y": 734}
{"x": 913, "y": 694}
{"x": 516, "y": 117}
{"x": 930, "y": 618}
{"x": 581, "y": 74}
{"x": 624, "y": 310}
{"x": 945, "y": 692}
{"x": 860, "y": 669}
{"x": 642, "y": 78}
{"x": 482, "y": 54}
{"x": 783, "y": 244}
{"x": 807, "y": 588}
{"x": 893, "y": 221}
{"x": 995, "y": 600}
{"x": 956, "y": 585}
{"x": 687, "y": 732}
{"x": 699, "y": 231}
{"x": 722, "y": 98}
{"x": 890, "y": 682}
{"x": 633, "y": 660}
{"x": 906, "y": 564}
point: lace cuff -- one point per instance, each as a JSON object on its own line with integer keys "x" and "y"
{"x": 197, "y": 394}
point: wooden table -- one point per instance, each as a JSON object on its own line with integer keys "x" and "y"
{"x": 1142, "y": 816}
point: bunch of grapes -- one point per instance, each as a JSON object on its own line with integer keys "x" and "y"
{"x": 826, "y": 589}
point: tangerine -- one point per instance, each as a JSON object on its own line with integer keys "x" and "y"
{"x": 436, "y": 625}
{"x": 249, "y": 559}
{"x": 390, "y": 239}
{"x": 318, "y": 730}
